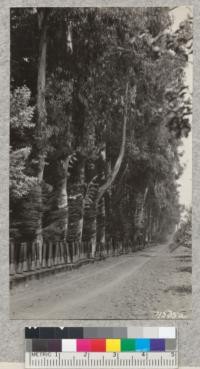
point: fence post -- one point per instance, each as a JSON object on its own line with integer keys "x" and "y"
{"x": 129, "y": 245}
{"x": 25, "y": 257}
{"x": 87, "y": 248}
{"x": 111, "y": 248}
{"x": 33, "y": 256}
{"x": 126, "y": 246}
{"x": 67, "y": 252}
{"x": 44, "y": 254}
{"x": 55, "y": 258}
{"x": 123, "y": 247}
{"x": 100, "y": 249}
{"x": 84, "y": 250}
{"x": 115, "y": 247}
{"x": 90, "y": 249}
{"x": 58, "y": 253}
{"x": 62, "y": 259}
{"x": 118, "y": 247}
{"x": 81, "y": 250}
{"x": 107, "y": 247}
{"x": 75, "y": 251}
{"x": 20, "y": 260}
{"x": 104, "y": 249}
{"x": 72, "y": 252}
{"x": 38, "y": 266}
{"x": 12, "y": 258}
{"x": 78, "y": 250}
{"x": 29, "y": 255}
{"x": 50, "y": 254}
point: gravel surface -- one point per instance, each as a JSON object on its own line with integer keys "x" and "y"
{"x": 151, "y": 284}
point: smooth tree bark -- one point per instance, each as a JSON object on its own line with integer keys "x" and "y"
{"x": 63, "y": 197}
{"x": 76, "y": 206}
{"x": 108, "y": 183}
{"x": 119, "y": 160}
{"x": 101, "y": 228}
{"x": 139, "y": 217}
{"x": 89, "y": 231}
{"x": 41, "y": 119}
{"x": 101, "y": 209}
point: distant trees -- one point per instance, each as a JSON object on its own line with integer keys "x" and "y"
{"x": 95, "y": 134}
{"x": 183, "y": 235}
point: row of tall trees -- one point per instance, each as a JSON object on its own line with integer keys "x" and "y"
{"x": 98, "y": 109}
{"x": 183, "y": 235}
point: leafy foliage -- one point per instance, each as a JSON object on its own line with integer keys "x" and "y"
{"x": 91, "y": 55}
{"x": 21, "y": 122}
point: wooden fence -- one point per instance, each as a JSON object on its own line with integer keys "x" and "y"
{"x": 28, "y": 257}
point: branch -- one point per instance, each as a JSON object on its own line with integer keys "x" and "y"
{"x": 43, "y": 15}
{"x": 119, "y": 185}
{"x": 175, "y": 7}
{"x": 146, "y": 193}
{"x": 118, "y": 163}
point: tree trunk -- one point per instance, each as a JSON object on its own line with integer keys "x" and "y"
{"x": 101, "y": 211}
{"x": 63, "y": 199}
{"x": 41, "y": 119}
{"x": 101, "y": 229}
{"x": 139, "y": 218}
{"x": 118, "y": 163}
{"x": 110, "y": 179}
{"x": 150, "y": 226}
{"x": 90, "y": 215}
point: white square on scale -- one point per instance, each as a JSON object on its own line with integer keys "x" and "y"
{"x": 167, "y": 332}
{"x": 68, "y": 345}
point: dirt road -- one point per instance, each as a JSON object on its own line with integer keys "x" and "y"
{"x": 153, "y": 283}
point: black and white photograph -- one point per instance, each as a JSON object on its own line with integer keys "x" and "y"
{"x": 101, "y": 162}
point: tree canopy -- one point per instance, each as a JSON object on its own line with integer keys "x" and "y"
{"x": 99, "y": 107}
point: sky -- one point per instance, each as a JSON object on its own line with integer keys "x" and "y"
{"x": 179, "y": 15}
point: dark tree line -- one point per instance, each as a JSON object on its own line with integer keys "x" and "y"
{"x": 98, "y": 110}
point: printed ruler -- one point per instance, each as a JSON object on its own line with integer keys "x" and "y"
{"x": 156, "y": 360}
{"x": 120, "y": 348}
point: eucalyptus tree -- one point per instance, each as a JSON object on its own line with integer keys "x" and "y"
{"x": 111, "y": 108}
